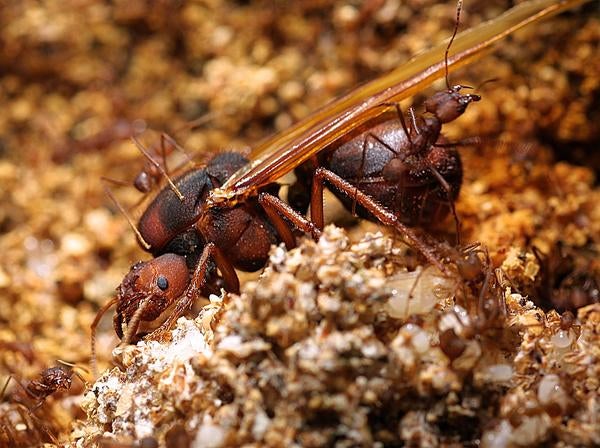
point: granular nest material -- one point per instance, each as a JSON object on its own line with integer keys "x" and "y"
{"x": 327, "y": 349}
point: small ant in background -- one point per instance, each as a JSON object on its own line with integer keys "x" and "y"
{"x": 50, "y": 380}
{"x": 28, "y": 398}
{"x": 476, "y": 272}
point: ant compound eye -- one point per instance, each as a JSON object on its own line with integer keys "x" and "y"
{"x": 162, "y": 282}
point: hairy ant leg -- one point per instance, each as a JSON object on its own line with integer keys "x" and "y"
{"x": 124, "y": 212}
{"x": 276, "y": 210}
{"x": 385, "y": 216}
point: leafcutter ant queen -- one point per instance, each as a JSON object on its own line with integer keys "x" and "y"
{"x": 227, "y": 214}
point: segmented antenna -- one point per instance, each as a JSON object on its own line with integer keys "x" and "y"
{"x": 458, "y": 10}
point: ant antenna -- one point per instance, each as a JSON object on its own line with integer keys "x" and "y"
{"x": 141, "y": 239}
{"x": 203, "y": 119}
{"x": 158, "y": 166}
{"x": 487, "y": 81}
{"x": 458, "y": 9}
{"x": 97, "y": 319}
{"x": 73, "y": 368}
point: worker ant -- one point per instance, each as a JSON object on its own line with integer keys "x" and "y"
{"x": 478, "y": 278}
{"x": 33, "y": 393}
{"x": 27, "y": 399}
{"x": 228, "y": 214}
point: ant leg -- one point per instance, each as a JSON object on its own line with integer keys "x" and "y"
{"x": 361, "y": 169}
{"x": 499, "y": 274}
{"x": 467, "y": 141}
{"x": 120, "y": 183}
{"x": 412, "y": 291}
{"x": 230, "y": 277}
{"x": 402, "y": 120}
{"x": 3, "y": 391}
{"x": 413, "y": 119}
{"x": 134, "y": 322}
{"x": 167, "y": 139}
{"x": 139, "y": 236}
{"x": 364, "y": 157}
{"x": 158, "y": 166}
{"x": 448, "y": 191}
{"x": 381, "y": 213}
{"x": 93, "y": 327}
{"x": 277, "y": 209}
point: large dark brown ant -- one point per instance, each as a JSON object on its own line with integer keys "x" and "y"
{"x": 185, "y": 238}
{"x": 409, "y": 171}
{"x": 228, "y": 214}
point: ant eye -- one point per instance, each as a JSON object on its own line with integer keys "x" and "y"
{"x": 162, "y": 282}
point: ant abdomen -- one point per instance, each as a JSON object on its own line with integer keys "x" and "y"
{"x": 384, "y": 164}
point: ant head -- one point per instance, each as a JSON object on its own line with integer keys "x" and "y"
{"x": 58, "y": 377}
{"x": 162, "y": 280}
{"x": 143, "y": 182}
{"x": 449, "y": 104}
{"x": 165, "y": 276}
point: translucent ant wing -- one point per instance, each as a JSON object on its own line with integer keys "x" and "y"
{"x": 281, "y": 153}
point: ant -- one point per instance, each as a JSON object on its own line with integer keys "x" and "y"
{"x": 229, "y": 213}
{"x": 475, "y": 268}
{"x": 48, "y": 382}
{"x": 29, "y": 398}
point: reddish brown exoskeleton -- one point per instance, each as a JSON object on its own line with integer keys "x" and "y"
{"x": 229, "y": 213}
{"x": 33, "y": 393}
{"x": 29, "y": 397}
{"x": 478, "y": 278}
